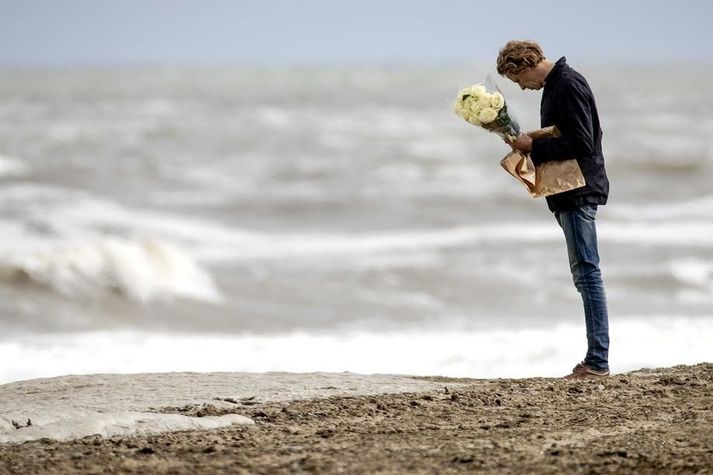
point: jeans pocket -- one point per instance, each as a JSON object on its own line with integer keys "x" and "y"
{"x": 590, "y": 211}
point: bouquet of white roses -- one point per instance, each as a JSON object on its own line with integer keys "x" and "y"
{"x": 484, "y": 105}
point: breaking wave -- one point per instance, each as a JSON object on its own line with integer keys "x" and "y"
{"x": 140, "y": 269}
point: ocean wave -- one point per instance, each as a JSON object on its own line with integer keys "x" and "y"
{"x": 693, "y": 272}
{"x": 245, "y": 245}
{"x": 453, "y": 350}
{"x": 140, "y": 269}
{"x": 700, "y": 208}
{"x": 10, "y": 166}
{"x": 76, "y": 215}
{"x": 671, "y": 233}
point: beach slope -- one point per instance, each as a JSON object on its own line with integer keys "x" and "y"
{"x": 653, "y": 420}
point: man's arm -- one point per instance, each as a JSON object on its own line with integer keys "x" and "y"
{"x": 575, "y": 126}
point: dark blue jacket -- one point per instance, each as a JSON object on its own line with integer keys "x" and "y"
{"x": 568, "y": 103}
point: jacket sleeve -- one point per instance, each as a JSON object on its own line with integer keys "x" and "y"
{"x": 575, "y": 125}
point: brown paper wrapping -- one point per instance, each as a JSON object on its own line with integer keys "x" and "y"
{"x": 545, "y": 179}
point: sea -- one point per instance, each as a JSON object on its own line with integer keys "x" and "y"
{"x": 336, "y": 220}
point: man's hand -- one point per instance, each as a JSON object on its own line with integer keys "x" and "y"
{"x": 522, "y": 143}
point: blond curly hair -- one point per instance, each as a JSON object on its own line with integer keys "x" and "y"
{"x": 517, "y": 56}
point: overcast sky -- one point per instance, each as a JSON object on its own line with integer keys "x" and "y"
{"x": 284, "y": 33}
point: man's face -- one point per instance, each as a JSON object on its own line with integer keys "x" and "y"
{"x": 528, "y": 79}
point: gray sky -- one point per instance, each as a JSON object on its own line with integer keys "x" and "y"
{"x": 282, "y": 33}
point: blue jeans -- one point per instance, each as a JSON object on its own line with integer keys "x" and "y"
{"x": 580, "y": 232}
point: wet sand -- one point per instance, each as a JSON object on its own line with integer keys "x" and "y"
{"x": 648, "y": 421}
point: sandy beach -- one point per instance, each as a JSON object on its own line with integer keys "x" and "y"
{"x": 258, "y": 238}
{"x": 651, "y": 421}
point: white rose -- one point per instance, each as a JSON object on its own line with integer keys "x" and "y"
{"x": 477, "y": 91}
{"x": 473, "y": 119}
{"x": 497, "y": 101}
{"x": 475, "y": 106}
{"x": 458, "y": 107}
{"x": 487, "y": 115}
{"x": 461, "y": 107}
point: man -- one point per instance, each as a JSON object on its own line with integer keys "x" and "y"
{"x": 568, "y": 103}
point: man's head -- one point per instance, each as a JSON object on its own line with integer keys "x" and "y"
{"x": 524, "y": 63}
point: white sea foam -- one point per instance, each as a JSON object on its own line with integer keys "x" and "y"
{"x": 78, "y": 215}
{"x": 241, "y": 244}
{"x": 694, "y": 272}
{"x": 11, "y": 166}
{"x": 695, "y": 209}
{"x": 141, "y": 269}
{"x": 671, "y": 233}
{"x": 499, "y": 352}
{"x": 274, "y": 117}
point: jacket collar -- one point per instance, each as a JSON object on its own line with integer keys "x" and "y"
{"x": 557, "y": 70}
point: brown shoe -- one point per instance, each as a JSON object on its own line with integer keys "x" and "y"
{"x": 582, "y": 371}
